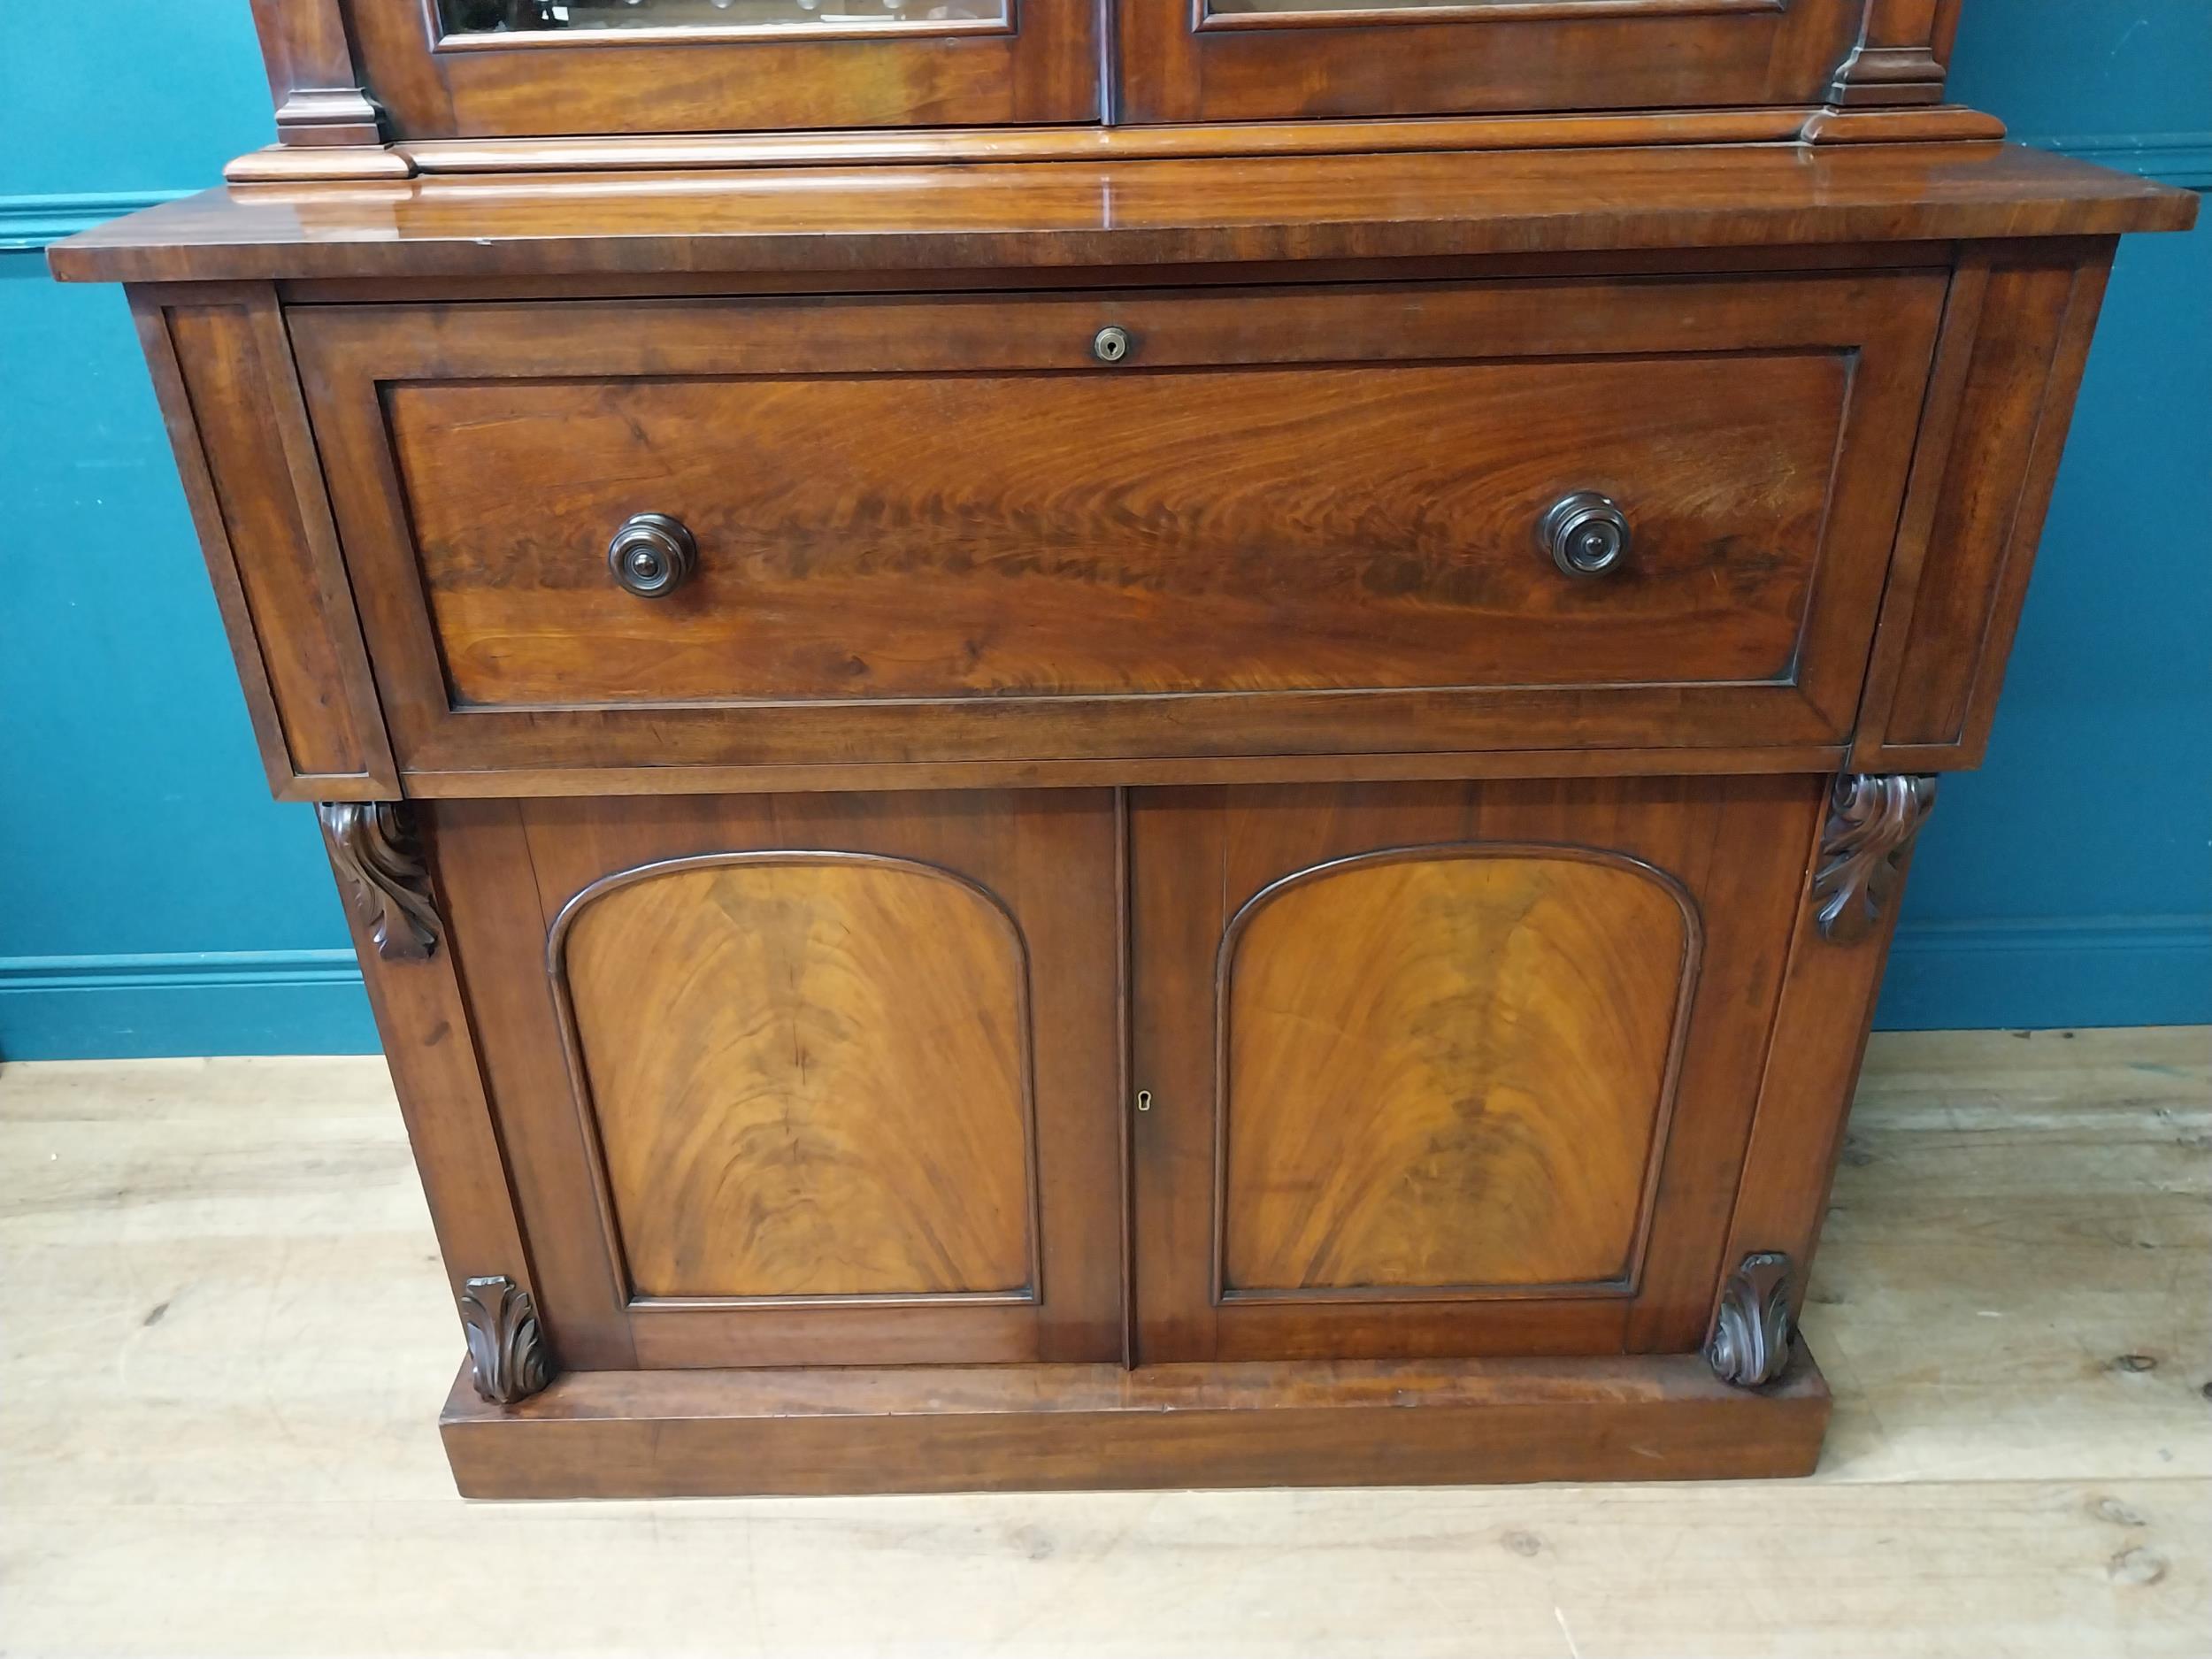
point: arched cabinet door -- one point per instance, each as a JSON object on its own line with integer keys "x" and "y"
{"x": 1450, "y": 1069}
{"x": 805, "y": 1080}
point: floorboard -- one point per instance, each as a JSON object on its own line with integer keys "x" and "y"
{"x": 223, "y": 1341}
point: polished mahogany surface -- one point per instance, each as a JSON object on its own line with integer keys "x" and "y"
{"x": 1125, "y": 743}
{"x": 1075, "y": 213}
{"x": 1335, "y": 989}
{"x": 784, "y": 1107}
{"x": 799, "y": 1079}
{"x": 1294, "y": 518}
{"x": 766, "y": 66}
{"x": 1446, "y": 1069}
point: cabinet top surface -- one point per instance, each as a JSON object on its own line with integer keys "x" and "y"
{"x": 1128, "y": 212}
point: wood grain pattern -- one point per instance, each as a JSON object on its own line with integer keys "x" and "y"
{"x": 1447, "y": 1068}
{"x": 1138, "y": 771}
{"x": 1738, "y": 847}
{"x": 1989, "y": 1470}
{"x": 1820, "y": 1037}
{"x": 1045, "y": 70}
{"x": 1253, "y": 530}
{"x": 1903, "y": 51}
{"x": 1477, "y": 59}
{"x": 429, "y": 1035}
{"x": 1096, "y": 1428}
{"x": 2022, "y": 313}
{"x": 1318, "y": 1115}
{"x": 1199, "y": 211}
{"x": 1975, "y": 511}
{"x": 313, "y": 82}
{"x": 1902, "y": 124}
{"x": 1076, "y": 143}
{"x": 948, "y": 145}
{"x": 915, "y": 957}
{"x": 808, "y": 1077}
{"x": 299, "y": 164}
{"x": 1689, "y": 56}
{"x": 222, "y": 366}
{"x": 1297, "y": 521}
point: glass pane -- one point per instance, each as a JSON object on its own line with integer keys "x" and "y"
{"x": 546, "y": 17}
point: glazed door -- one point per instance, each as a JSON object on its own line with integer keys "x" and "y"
{"x": 571, "y": 68}
{"x": 804, "y": 1078}
{"x": 1452, "y": 1068}
{"x": 1248, "y": 60}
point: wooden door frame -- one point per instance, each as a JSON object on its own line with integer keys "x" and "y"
{"x": 1752, "y": 836}
{"x": 1048, "y": 863}
{"x": 1178, "y": 64}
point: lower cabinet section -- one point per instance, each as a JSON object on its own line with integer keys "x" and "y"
{"x": 1106, "y": 1129}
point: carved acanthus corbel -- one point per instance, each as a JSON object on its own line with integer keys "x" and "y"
{"x": 508, "y": 1357}
{"x": 1871, "y": 823}
{"x": 386, "y": 884}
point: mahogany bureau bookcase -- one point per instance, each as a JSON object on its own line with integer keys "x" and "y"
{"x": 1122, "y": 743}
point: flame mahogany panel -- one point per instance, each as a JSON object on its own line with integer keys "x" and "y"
{"x": 1486, "y": 1090}
{"x": 784, "y": 1106}
{"x": 841, "y": 1086}
{"x": 1447, "y": 1067}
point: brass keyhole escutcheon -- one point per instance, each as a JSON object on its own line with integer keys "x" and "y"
{"x": 1111, "y": 344}
{"x": 1144, "y": 1100}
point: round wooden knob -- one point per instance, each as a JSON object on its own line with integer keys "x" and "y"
{"x": 652, "y": 555}
{"x": 1586, "y": 534}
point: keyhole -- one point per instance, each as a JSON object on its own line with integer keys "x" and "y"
{"x": 1144, "y": 1100}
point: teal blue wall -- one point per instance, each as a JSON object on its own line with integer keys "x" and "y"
{"x": 154, "y": 900}
{"x": 2068, "y": 882}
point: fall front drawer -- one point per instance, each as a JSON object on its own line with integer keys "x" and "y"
{"x": 1121, "y": 524}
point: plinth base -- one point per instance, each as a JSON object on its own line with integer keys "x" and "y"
{"x": 701, "y": 1433}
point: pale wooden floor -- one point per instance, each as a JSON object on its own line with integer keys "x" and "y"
{"x": 226, "y": 1339}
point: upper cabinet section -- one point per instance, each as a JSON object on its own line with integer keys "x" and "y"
{"x": 513, "y": 22}
{"x": 354, "y": 73}
{"x": 548, "y": 68}
{"x": 1244, "y": 60}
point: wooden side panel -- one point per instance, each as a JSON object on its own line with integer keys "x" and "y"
{"x": 1820, "y": 1032}
{"x": 1974, "y": 510}
{"x": 222, "y": 368}
{"x": 809, "y": 1078}
{"x": 430, "y": 1040}
{"x": 1447, "y": 1068}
